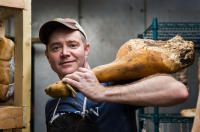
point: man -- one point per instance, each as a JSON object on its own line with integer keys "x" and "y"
{"x": 97, "y": 107}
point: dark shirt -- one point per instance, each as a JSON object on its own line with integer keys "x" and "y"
{"x": 109, "y": 117}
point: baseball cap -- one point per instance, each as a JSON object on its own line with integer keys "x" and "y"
{"x": 48, "y": 27}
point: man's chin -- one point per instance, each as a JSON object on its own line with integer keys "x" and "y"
{"x": 68, "y": 71}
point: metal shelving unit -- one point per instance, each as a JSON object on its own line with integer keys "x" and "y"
{"x": 171, "y": 118}
{"x": 190, "y": 31}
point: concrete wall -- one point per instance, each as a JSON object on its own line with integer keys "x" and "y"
{"x": 108, "y": 25}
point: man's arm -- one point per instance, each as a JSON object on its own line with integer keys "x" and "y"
{"x": 156, "y": 90}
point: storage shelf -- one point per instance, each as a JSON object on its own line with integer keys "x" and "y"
{"x": 11, "y": 117}
{"x": 12, "y": 3}
{"x": 167, "y": 118}
{"x": 190, "y": 31}
{"x": 18, "y": 114}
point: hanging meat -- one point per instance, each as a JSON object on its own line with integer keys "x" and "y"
{"x": 6, "y": 53}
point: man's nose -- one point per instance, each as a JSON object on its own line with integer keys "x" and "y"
{"x": 65, "y": 51}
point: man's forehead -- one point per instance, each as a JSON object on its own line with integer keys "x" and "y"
{"x": 70, "y": 35}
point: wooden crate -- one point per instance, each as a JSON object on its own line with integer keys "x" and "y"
{"x": 16, "y": 118}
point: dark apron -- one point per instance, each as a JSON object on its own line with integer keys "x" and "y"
{"x": 71, "y": 122}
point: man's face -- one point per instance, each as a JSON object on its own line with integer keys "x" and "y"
{"x": 66, "y": 51}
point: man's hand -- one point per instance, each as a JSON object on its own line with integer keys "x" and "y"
{"x": 86, "y": 82}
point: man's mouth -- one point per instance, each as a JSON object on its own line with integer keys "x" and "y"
{"x": 66, "y": 62}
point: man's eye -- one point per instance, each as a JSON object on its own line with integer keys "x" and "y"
{"x": 55, "y": 48}
{"x": 73, "y": 45}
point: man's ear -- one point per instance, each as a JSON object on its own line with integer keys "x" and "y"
{"x": 46, "y": 53}
{"x": 87, "y": 50}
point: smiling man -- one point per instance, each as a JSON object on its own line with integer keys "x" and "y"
{"x": 97, "y": 107}
{"x": 66, "y": 51}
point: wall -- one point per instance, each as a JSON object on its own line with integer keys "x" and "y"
{"x": 108, "y": 25}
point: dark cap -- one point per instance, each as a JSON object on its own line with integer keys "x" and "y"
{"x": 47, "y": 28}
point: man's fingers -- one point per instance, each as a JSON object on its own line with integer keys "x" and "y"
{"x": 73, "y": 76}
{"x": 81, "y": 69}
{"x": 71, "y": 82}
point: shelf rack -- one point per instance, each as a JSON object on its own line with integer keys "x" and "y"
{"x": 15, "y": 117}
{"x": 171, "y": 118}
{"x": 190, "y": 31}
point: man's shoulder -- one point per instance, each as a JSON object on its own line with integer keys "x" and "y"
{"x": 51, "y": 102}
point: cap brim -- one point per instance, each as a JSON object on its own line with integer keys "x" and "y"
{"x": 48, "y": 28}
